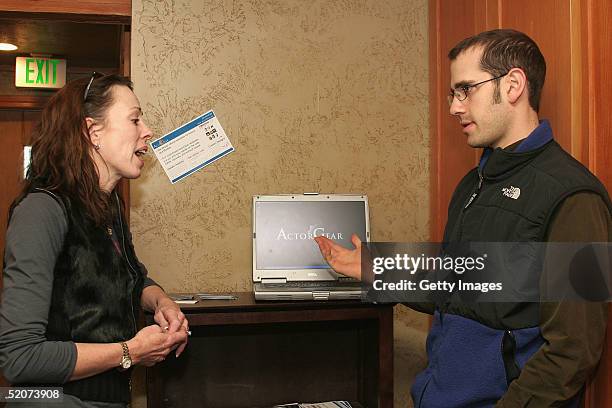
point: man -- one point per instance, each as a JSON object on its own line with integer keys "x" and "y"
{"x": 520, "y": 354}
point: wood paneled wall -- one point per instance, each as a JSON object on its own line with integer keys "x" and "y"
{"x": 91, "y": 7}
{"x": 596, "y": 20}
{"x": 575, "y": 38}
{"x": 15, "y": 129}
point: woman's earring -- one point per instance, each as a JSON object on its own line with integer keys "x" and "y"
{"x": 97, "y": 146}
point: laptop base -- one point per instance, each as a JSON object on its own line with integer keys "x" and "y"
{"x": 331, "y": 292}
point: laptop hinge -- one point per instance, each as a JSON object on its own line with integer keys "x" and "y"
{"x": 320, "y": 295}
{"x": 273, "y": 280}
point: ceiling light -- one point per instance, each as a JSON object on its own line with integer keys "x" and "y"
{"x": 7, "y": 47}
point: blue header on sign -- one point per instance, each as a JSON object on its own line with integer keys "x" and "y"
{"x": 185, "y": 128}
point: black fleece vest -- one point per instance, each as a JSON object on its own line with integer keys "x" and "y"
{"x": 96, "y": 296}
{"x": 513, "y": 200}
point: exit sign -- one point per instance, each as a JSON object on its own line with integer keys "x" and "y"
{"x": 38, "y": 72}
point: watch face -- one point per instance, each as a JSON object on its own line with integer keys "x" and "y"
{"x": 126, "y": 363}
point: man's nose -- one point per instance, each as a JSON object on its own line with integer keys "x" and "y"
{"x": 456, "y": 107}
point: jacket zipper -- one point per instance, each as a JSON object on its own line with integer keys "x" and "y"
{"x": 511, "y": 367}
{"x": 470, "y": 201}
{"x": 476, "y": 192}
{"x": 127, "y": 258}
{"x": 423, "y": 393}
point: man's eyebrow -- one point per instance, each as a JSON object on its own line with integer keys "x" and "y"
{"x": 461, "y": 84}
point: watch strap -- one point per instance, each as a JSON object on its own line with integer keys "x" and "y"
{"x": 126, "y": 352}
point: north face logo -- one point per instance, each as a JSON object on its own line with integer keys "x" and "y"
{"x": 511, "y": 192}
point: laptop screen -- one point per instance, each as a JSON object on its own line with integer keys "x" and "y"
{"x": 284, "y": 229}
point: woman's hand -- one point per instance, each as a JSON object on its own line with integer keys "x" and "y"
{"x": 152, "y": 344}
{"x": 170, "y": 318}
{"x": 168, "y": 314}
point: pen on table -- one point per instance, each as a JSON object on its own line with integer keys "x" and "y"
{"x": 215, "y": 296}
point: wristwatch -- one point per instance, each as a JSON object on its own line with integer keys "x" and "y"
{"x": 126, "y": 360}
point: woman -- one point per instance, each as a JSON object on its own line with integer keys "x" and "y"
{"x": 72, "y": 283}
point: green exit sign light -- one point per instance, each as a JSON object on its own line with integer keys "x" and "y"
{"x": 38, "y": 72}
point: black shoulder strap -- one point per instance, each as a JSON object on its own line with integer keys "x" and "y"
{"x": 55, "y": 197}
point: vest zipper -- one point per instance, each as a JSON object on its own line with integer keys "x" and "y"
{"x": 127, "y": 258}
{"x": 476, "y": 192}
{"x": 469, "y": 202}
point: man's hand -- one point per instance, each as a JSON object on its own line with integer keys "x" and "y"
{"x": 170, "y": 318}
{"x": 342, "y": 260}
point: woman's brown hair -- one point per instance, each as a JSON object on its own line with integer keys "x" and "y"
{"x": 62, "y": 159}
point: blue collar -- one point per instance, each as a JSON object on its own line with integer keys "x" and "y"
{"x": 536, "y": 139}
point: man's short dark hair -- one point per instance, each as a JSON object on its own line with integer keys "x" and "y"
{"x": 506, "y": 49}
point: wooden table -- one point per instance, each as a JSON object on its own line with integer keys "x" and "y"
{"x": 244, "y": 353}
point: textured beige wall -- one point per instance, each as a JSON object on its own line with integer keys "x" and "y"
{"x": 324, "y": 95}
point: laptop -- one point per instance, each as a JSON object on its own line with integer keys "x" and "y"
{"x": 287, "y": 263}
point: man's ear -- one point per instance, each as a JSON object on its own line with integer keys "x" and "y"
{"x": 517, "y": 80}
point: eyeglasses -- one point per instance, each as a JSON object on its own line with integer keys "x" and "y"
{"x": 94, "y": 75}
{"x": 462, "y": 92}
